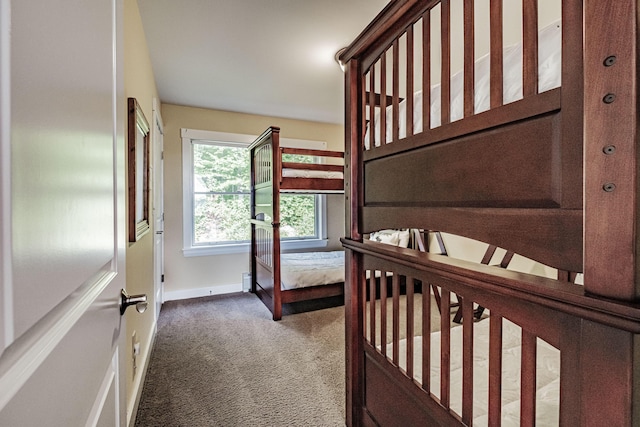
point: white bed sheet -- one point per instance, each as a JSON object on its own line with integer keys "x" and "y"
{"x": 547, "y": 374}
{"x": 300, "y": 270}
{"x": 549, "y": 77}
{"x": 307, "y": 173}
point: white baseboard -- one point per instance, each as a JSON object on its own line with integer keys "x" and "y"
{"x": 132, "y": 406}
{"x": 202, "y": 292}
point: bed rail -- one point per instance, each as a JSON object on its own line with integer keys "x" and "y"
{"x": 315, "y": 172}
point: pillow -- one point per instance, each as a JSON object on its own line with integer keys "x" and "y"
{"x": 391, "y": 237}
{"x": 403, "y": 238}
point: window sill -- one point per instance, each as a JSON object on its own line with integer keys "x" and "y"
{"x": 285, "y": 245}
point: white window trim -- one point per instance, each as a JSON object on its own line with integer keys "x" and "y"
{"x": 188, "y": 249}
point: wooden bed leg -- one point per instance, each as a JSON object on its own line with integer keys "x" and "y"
{"x": 277, "y": 312}
{"x": 354, "y": 263}
{"x": 354, "y": 333}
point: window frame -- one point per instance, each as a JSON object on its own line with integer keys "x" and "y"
{"x": 189, "y": 249}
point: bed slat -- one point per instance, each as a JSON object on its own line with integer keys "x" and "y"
{"x": 426, "y": 70}
{"x": 311, "y": 152}
{"x": 529, "y": 47}
{"x": 410, "y": 328}
{"x": 312, "y": 166}
{"x": 445, "y": 347}
{"x": 384, "y": 99}
{"x": 528, "y": 380}
{"x": 396, "y": 90}
{"x": 372, "y": 308}
{"x": 495, "y": 369}
{"x": 366, "y": 330}
{"x": 383, "y": 312}
{"x": 445, "y": 76}
{"x": 396, "y": 319}
{"x": 410, "y": 71}
{"x": 426, "y": 336}
{"x": 495, "y": 25}
{"x": 469, "y": 56}
{"x": 372, "y": 103}
{"x": 467, "y": 360}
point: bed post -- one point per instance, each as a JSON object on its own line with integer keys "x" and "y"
{"x": 253, "y": 251}
{"x": 276, "y": 179}
{"x": 353, "y": 260}
{"x": 610, "y": 148}
{"x": 611, "y": 218}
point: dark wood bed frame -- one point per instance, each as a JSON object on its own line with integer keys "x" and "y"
{"x": 266, "y": 185}
{"x": 558, "y": 184}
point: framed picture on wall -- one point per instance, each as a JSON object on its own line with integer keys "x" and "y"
{"x": 138, "y": 171}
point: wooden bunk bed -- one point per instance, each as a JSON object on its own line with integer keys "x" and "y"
{"x": 544, "y": 171}
{"x": 271, "y": 176}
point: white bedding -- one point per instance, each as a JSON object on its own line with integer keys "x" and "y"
{"x": 547, "y": 380}
{"x": 307, "y": 173}
{"x": 300, "y": 270}
{"x": 549, "y": 67}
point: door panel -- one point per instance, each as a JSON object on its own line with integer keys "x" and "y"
{"x": 6, "y": 331}
{"x": 106, "y": 409}
{"x": 62, "y": 114}
{"x": 61, "y": 120}
{"x": 66, "y": 385}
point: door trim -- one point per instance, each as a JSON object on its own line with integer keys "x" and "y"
{"x": 158, "y": 204}
{"x": 6, "y": 307}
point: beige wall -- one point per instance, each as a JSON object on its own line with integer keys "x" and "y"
{"x": 139, "y": 83}
{"x": 184, "y": 274}
{"x": 195, "y": 272}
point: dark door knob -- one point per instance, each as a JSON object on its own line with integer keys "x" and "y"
{"x": 140, "y": 301}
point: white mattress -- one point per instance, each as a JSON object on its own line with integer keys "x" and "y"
{"x": 300, "y": 270}
{"x": 548, "y": 374}
{"x": 549, "y": 67}
{"x": 307, "y": 173}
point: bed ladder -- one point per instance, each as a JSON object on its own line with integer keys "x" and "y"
{"x": 421, "y": 243}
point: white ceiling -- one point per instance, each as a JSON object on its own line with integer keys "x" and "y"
{"x": 267, "y": 57}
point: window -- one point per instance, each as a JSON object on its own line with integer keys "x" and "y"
{"x": 220, "y": 192}
{"x": 216, "y": 198}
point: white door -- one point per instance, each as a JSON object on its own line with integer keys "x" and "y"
{"x": 158, "y": 206}
{"x": 62, "y": 113}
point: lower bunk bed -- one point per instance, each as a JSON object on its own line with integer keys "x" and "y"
{"x": 541, "y": 353}
{"x": 303, "y": 277}
{"x": 547, "y": 411}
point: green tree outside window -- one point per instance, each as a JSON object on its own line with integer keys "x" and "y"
{"x": 222, "y": 198}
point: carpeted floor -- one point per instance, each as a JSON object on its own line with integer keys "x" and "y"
{"x": 222, "y": 361}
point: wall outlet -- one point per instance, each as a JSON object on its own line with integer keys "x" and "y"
{"x": 135, "y": 351}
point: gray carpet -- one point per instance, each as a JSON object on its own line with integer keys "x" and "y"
{"x": 222, "y": 361}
